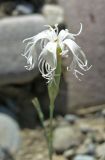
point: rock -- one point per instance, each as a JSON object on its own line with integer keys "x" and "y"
{"x": 69, "y": 153}
{"x": 9, "y": 134}
{"x": 86, "y": 148}
{"x": 64, "y": 138}
{"x": 91, "y": 89}
{"x": 98, "y": 136}
{"x": 6, "y": 8}
{"x": 85, "y": 128}
{"x": 100, "y": 151}
{"x": 91, "y": 149}
{"x": 11, "y": 47}
{"x": 22, "y": 9}
{"x": 2, "y": 154}
{"x": 61, "y": 122}
{"x": 5, "y": 155}
{"x": 54, "y": 14}
{"x": 103, "y": 113}
{"x": 70, "y": 118}
{"x": 83, "y": 157}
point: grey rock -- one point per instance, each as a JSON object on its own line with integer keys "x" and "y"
{"x": 71, "y": 118}
{"x": 98, "y": 136}
{"x": 69, "y": 153}
{"x": 23, "y": 9}
{"x": 54, "y": 14}
{"x": 91, "y": 149}
{"x": 86, "y": 148}
{"x": 103, "y": 112}
{"x": 83, "y": 157}
{"x": 12, "y": 32}
{"x": 64, "y": 138}
{"x": 84, "y": 128}
{"x": 91, "y": 89}
{"x": 9, "y": 134}
{"x": 2, "y": 154}
{"x": 5, "y": 155}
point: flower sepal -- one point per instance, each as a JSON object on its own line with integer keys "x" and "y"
{"x": 53, "y": 86}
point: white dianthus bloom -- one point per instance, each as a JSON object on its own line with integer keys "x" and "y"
{"x": 47, "y": 60}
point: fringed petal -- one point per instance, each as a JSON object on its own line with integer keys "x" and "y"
{"x": 65, "y": 34}
{"x": 31, "y": 56}
{"x": 49, "y": 54}
{"x": 79, "y": 57}
{"x": 48, "y": 61}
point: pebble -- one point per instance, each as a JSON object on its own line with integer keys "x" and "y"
{"x": 54, "y": 14}
{"x": 83, "y": 157}
{"x": 71, "y": 118}
{"x": 103, "y": 113}
{"x": 9, "y": 134}
{"x": 85, "y": 128}
{"x": 91, "y": 149}
{"x": 2, "y": 155}
{"x": 100, "y": 151}
{"x": 69, "y": 153}
{"x": 64, "y": 138}
{"x": 23, "y": 9}
{"x": 98, "y": 137}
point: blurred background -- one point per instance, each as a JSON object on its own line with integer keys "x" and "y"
{"x": 79, "y": 117}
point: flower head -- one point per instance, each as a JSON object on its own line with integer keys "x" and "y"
{"x": 50, "y": 40}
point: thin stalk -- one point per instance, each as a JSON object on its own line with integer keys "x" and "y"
{"x": 41, "y": 117}
{"x": 53, "y": 89}
{"x": 51, "y": 132}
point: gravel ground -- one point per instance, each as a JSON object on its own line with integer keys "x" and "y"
{"x": 91, "y": 127}
{"x": 33, "y": 146}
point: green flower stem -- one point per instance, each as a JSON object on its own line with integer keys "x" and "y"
{"x": 41, "y": 117}
{"x": 51, "y": 132}
{"x": 53, "y": 89}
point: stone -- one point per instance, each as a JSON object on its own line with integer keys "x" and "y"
{"x": 100, "y": 151}
{"x": 54, "y": 14}
{"x": 6, "y": 8}
{"x": 103, "y": 113}
{"x": 85, "y": 128}
{"x": 71, "y": 118}
{"x": 98, "y": 136}
{"x": 9, "y": 134}
{"x": 12, "y": 32}
{"x": 91, "y": 89}
{"x": 22, "y": 9}
{"x": 83, "y": 157}
{"x": 86, "y": 148}
{"x": 2, "y": 154}
{"x": 91, "y": 149}
{"x": 69, "y": 153}
{"x": 64, "y": 138}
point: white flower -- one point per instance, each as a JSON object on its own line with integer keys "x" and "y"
{"x": 47, "y": 60}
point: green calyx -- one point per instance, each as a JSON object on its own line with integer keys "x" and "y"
{"x": 53, "y": 87}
